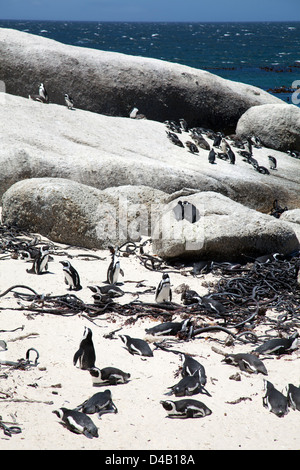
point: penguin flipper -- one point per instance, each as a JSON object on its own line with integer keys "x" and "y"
{"x": 77, "y": 356}
{"x": 121, "y": 272}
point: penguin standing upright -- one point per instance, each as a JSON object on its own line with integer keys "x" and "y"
{"x": 163, "y": 292}
{"x": 77, "y": 422}
{"x": 69, "y": 101}
{"x": 272, "y": 162}
{"x": 293, "y": 396}
{"x": 40, "y": 262}
{"x": 86, "y": 353}
{"x": 114, "y": 268}
{"x": 212, "y": 156}
{"x": 72, "y": 278}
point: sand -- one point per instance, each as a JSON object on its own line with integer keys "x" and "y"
{"x": 28, "y": 397}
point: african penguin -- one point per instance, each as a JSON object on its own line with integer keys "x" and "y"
{"x": 213, "y": 305}
{"x": 169, "y": 328}
{"x": 77, "y": 422}
{"x": 190, "y": 366}
{"x": 174, "y": 139}
{"x": 163, "y": 292}
{"x": 186, "y": 408}
{"x": 69, "y": 101}
{"x": 86, "y": 353}
{"x": 110, "y": 290}
{"x": 274, "y": 400}
{"x": 190, "y": 297}
{"x": 40, "y": 263}
{"x": 192, "y": 147}
{"x": 188, "y": 385}
{"x": 293, "y": 396}
{"x": 183, "y": 124}
{"x": 108, "y": 375}
{"x": 114, "y": 268}
{"x": 273, "y": 162}
{"x": 246, "y": 362}
{"x": 136, "y": 346}
{"x": 212, "y": 156}
{"x": 72, "y": 278}
{"x": 279, "y": 345}
{"x": 100, "y": 403}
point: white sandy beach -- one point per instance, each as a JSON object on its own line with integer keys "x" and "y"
{"x": 28, "y": 397}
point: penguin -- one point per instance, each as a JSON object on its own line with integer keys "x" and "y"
{"x": 293, "y": 396}
{"x": 183, "y": 124}
{"x": 213, "y": 305}
{"x": 114, "y": 268}
{"x": 72, "y": 278}
{"x": 108, "y": 375}
{"x": 186, "y": 408}
{"x": 100, "y": 403}
{"x": 77, "y": 422}
{"x": 268, "y": 258}
{"x": 202, "y": 267}
{"x": 212, "y": 156}
{"x": 174, "y": 139}
{"x": 110, "y": 290}
{"x": 136, "y": 346}
{"x": 246, "y": 362}
{"x": 188, "y": 385}
{"x": 42, "y": 97}
{"x": 192, "y": 147}
{"x": 231, "y": 156}
{"x": 163, "y": 292}
{"x": 190, "y": 366}
{"x": 40, "y": 262}
{"x": 272, "y": 162}
{"x": 30, "y": 253}
{"x": 169, "y": 328}
{"x": 190, "y": 212}
{"x": 69, "y": 101}
{"x": 274, "y": 400}
{"x": 262, "y": 169}
{"x": 279, "y": 345}
{"x": 86, "y": 353}
{"x": 217, "y": 140}
{"x": 199, "y": 140}
{"x": 190, "y": 297}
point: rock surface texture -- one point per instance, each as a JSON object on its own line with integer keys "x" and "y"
{"x": 277, "y": 126}
{"x": 113, "y": 83}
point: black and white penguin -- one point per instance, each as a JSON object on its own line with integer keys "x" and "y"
{"x": 114, "y": 269}
{"x": 217, "y": 140}
{"x": 164, "y": 292}
{"x": 274, "y": 400}
{"x": 42, "y": 97}
{"x": 184, "y": 125}
{"x": 108, "y": 376}
{"x": 72, "y": 278}
{"x": 190, "y": 297}
{"x": 212, "y": 156}
{"x": 192, "y": 147}
{"x": 231, "y": 156}
{"x": 213, "y": 305}
{"x": 199, "y": 140}
{"x": 110, "y": 290}
{"x": 174, "y": 139}
{"x": 40, "y": 262}
{"x": 273, "y": 162}
{"x": 169, "y": 328}
{"x": 186, "y": 408}
{"x": 100, "y": 403}
{"x": 202, "y": 267}
{"x": 69, "y": 101}
{"x": 136, "y": 346}
{"x": 293, "y": 396}
{"x": 188, "y": 385}
{"x": 77, "y": 422}
{"x": 279, "y": 345}
{"x": 246, "y": 363}
{"x": 86, "y": 353}
{"x": 190, "y": 366}
{"x": 269, "y": 258}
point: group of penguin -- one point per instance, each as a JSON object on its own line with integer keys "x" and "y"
{"x": 43, "y": 97}
{"x": 193, "y": 379}
{"x": 219, "y": 142}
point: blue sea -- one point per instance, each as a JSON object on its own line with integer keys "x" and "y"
{"x": 266, "y": 54}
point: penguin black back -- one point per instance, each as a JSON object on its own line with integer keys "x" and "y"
{"x": 86, "y": 353}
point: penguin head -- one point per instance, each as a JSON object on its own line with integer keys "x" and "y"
{"x": 59, "y": 413}
{"x": 87, "y": 333}
{"x": 124, "y": 338}
{"x": 66, "y": 264}
{"x": 167, "y": 404}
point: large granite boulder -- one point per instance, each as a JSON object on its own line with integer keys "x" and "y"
{"x": 224, "y": 230}
{"x": 40, "y": 141}
{"x": 113, "y": 83}
{"x": 69, "y": 212}
{"x": 277, "y": 126}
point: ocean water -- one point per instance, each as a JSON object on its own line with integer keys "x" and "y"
{"x": 266, "y": 55}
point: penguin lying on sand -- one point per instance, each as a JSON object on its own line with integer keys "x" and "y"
{"x": 246, "y": 362}
{"x": 100, "y": 403}
{"x": 108, "y": 375}
{"x": 274, "y": 400}
{"x": 136, "y": 346}
{"x": 77, "y": 422}
{"x": 186, "y": 408}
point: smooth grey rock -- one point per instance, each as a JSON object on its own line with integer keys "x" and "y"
{"x": 226, "y": 230}
{"x": 72, "y": 213}
{"x": 277, "y": 126}
{"x": 40, "y": 141}
{"x": 112, "y": 83}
